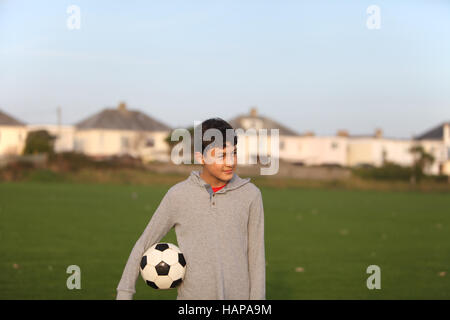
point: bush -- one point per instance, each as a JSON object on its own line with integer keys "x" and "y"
{"x": 439, "y": 178}
{"x": 73, "y": 161}
{"x": 39, "y": 141}
{"x": 389, "y": 171}
{"x": 44, "y": 175}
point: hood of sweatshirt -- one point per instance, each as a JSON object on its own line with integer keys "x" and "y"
{"x": 234, "y": 183}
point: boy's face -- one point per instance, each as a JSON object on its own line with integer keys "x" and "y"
{"x": 220, "y": 162}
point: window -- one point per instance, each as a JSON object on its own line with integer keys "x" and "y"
{"x": 78, "y": 145}
{"x": 448, "y": 153}
{"x": 150, "y": 142}
{"x": 334, "y": 145}
{"x": 384, "y": 154}
{"x": 124, "y": 142}
{"x": 281, "y": 145}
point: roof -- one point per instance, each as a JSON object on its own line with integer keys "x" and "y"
{"x": 266, "y": 123}
{"x": 122, "y": 119}
{"x": 7, "y": 120}
{"x": 436, "y": 133}
{"x": 371, "y": 136}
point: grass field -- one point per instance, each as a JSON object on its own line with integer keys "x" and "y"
{"x": 319, "y": 242}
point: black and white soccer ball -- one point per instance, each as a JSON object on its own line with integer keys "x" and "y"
{"x": 163, "y": 266}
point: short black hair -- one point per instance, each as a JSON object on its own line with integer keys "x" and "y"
{"x": 222, "y": 126}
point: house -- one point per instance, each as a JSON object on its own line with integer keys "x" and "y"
{"x": 343, "y": 149}
{"x": 64, "y": 135}
{"x": 322, "y": 150}
{"x": 252, "y": 123}
{"x": 294, "y": 147}
{"x": 375, "y": 149}
{"x": 120, "y": 131}
{"x": 436, "y": 141}
{"x": 13, "y": 135}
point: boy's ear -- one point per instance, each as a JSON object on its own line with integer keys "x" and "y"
{"x": 199, "y": 157}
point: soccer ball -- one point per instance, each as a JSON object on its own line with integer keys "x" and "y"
{"x": 163, "y": 266}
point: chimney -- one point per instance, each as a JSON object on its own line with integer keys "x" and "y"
{"x": 308, "y": 134}
{"x": 253, "y": 112}
{"x": 342, "y": 133}
{"x": 378, "y": 133}
{"x": 122, "y": 106}
{"x": 446, "y": 133}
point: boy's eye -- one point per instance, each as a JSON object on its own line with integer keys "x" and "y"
{"x": 220, "y": 156}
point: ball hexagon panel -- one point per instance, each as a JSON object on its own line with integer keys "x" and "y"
{"x": 174, "y": 247}
{"x": 154, "y": 257}
{"x": 176, "y": 271}
{"x": 149, "y": 273}
{"x": 163, "y": 282}
{"x": 170, "y": 256}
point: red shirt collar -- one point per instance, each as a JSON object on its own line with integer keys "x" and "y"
{"x": 218, "y": 188}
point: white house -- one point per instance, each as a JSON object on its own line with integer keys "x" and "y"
{"x": 13, "y": 134}
{"x": 64, "y": 135}
{"x": 306, "y": 149}
{"x": 344, "y": 149}
{"x": 121, "y": 131}
{"x": 375, "y": 149}
{"x": 250, "y": 143}
{"x": 437, "y": 142}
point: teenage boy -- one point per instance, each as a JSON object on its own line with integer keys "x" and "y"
{"x": 219, "y": 225}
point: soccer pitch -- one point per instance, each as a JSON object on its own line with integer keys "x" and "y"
{"x": 319, "y": 242}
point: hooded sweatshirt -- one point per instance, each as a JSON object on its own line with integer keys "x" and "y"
{"x": 221, "y": 236}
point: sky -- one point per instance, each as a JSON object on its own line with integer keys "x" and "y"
{"x": 310, "y": 65}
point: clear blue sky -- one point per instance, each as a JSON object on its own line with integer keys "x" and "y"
{"x": 312, "y": 65}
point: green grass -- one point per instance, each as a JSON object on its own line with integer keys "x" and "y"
{"x": 334, "y": 235}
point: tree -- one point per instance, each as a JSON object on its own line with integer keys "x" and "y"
{"x": 422, "y": 161}
{"x": 39, "y": 141}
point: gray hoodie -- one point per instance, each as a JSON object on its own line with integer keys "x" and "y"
{"x": 220, "y": 234}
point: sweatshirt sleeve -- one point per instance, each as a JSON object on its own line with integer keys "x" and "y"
{"x": 256, "y": 253}
{"x": 160, "y": 223}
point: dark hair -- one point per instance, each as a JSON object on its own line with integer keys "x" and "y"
{"x": 222, "y": 126}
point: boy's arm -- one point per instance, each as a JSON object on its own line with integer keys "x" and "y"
{"x": 160, "y": 223}
{"x": 256, "y": 254}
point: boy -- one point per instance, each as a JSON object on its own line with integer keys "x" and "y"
{"x": 219, "y": 224}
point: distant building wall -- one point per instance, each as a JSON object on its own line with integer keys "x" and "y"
{"x": 360, "y": 151}
{"x": 65, "y": 136}
{"x": 12, "y": 140}
{"x": 100, "y": 142}
{"x": 439, "y": 151}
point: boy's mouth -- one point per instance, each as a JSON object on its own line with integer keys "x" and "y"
{"x": 228, "y": 171}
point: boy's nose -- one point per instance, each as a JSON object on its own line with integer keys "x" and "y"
{"x": 229, "y": 160}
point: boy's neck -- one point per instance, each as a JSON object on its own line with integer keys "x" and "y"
{"x": 211, "y": 180}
